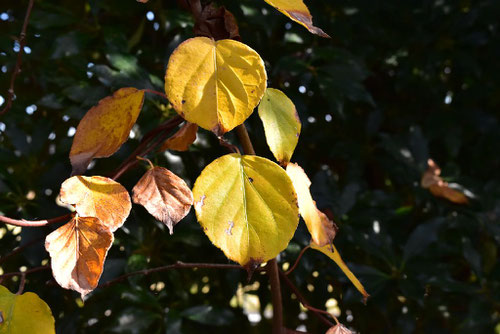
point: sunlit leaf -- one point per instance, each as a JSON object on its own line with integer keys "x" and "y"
{"x": 439, "y": 188}
{"x": 281, "y": 124}
{"x": 182, "y": 139}
{"x": 332, "y": 253}
{"x": 322, "y": 229}
{"x": 78, "y": 250}
{"x": 165, "y": 195}
{"x": 24, "y": 314}
{"x": 215, "y": 84}
{"x": 298, "y": 12}
{"x": 339, "y": 329}
{"x": 99, "y": 197}
{"x": 105, "y": 127}
{"x": 247, "y": 207}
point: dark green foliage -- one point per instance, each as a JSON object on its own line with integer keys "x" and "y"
{"x": 399, "y": 82}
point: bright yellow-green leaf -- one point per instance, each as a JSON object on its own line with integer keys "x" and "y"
{"x": 215, "y": 84}
{"x": 322, "y": 229}
{"x": 247, "y": 207}
{"x": 105, "y": 127}
{"x": 98, "y": 196}
{"x": 332, "y": 253}
{"x": 297, "y": 11}
{"x": 281, "y": 124}
{"x": 24, "y": 314}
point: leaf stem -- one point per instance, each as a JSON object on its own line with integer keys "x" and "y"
{"x": 156, "y": 93}
{"x": 17, "y": 68}
{"x": 297, "y": 261}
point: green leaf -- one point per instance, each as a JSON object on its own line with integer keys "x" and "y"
{"x": 247, "y": 207}
{"x": 281, "y": 124}
{"x": 23, "y": 314}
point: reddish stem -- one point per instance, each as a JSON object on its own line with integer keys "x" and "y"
{"x": 34, "y": 223}
{"x": 297, "y": 261}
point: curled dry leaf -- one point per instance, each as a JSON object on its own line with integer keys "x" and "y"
{"x": 439, "y": 188}
{"x": 216, "y": 23}
{"x": 298, "y": 12}
{"x": 215, "y": 84}
{"x": 182, "y": 139}
{"x": 24, "y": 314}
{"x": 165, "y": 195}
{"x": 281, "y": 124}
{"x": 247, "y": 207}
{"x": 332, "y": 253}
{"x": 105, "y": 127}
{"x": 322, "y": 229}
{"x": 99, "y": 197}
{"x": 339, "y": 329}
{"x": 78, "y": 250}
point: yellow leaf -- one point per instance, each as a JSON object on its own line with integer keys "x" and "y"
{"x": 332, "y": 253}
{"x": 105, "y": 127}
{"x": 78, "y": 250}
{"x": 215, "y": 84}
{"x": 298, "y": 12}
{"x": 99, "y": 197}
{"x": 165, "y": 195}
{"x": 281, "y": 124}
{"x": 322, "y": 229}
{"x": 182, "y": 139}
{"x": 24, "y": 314}
{"x": 247, "y": 207}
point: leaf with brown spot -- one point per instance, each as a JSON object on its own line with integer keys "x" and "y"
{"x": 298, "y": 12}
{"x": 339, "y": 329}
{"x": 78, "y": 250}
{"x": 165, "y": 195}
{"x": 438, "y": 187}
{"x": 182, "y": 139}
{"x": 322, "y": 229}
{"x": 105, "y": 127}
{"x": 99, "y": 197}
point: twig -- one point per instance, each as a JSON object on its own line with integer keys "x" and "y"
{"x": 19, "y": 273}
{"x": 21, "y": 284}
{"x": 20, "y": 248}
{"x": 274, "y": 280}
{"x": 304, "y": 301}
{"x": 177, "y": 265}
{"x": 34, "y": 223}
{"x": 297, "y": 261}
{"x": 17, "y": 68}
{"x": 245, "y": 141}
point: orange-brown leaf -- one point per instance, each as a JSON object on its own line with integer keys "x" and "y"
{"x": 99, "y": 197}
{"x": 339, "y": 329}
{"x": 322, "y": 229}
{"x": 105, "y": 127}
{"x": 438, "y": 187}
{"x": 182, "y": 139}
{"x": 165, "y": 195}
{"x": 78, "y": 250}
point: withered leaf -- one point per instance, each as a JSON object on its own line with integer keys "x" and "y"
{"x": 105, "y": 127}
{"x": 432, "y": 180}
{"x": 165, "y": 195}
{"x": 216, "y": 23}
{"x": 182, "y": 139}
{"x": 322, "y": 229}
{"x": 99, "y": 197}
{"x": 78, "y": 250}
{"x": 339, "y": 329}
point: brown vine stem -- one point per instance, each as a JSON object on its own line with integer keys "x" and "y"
{"x": 156, "y": 93}
{"x": 272, "y": 265}
{"x": 21, "y": 284}
{"x": 34, "y": 223}
{"x": 20, "y": 273}
{"x": 177, "y": 265}
{"x": 17, "y": 68}
{"x": 297, "y": 261}
{"x": 317, "y": 312}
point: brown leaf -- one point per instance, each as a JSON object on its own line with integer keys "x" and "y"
{"x": 105, "y": 127}
{"x": 339, "y": 329}
{"x": 216, "y": 23}
{"x": 166, "y": 196}
{"x": 142, "y": 1}
{"x": 439, "y": 188}
{"x": 182, "y": 139}
{"x": 78, "y": 250}
{"x": 99, "y": 197}
{"x": 322, "y": 229}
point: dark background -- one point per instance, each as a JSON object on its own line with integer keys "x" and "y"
{"x": 398, "y": 83}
